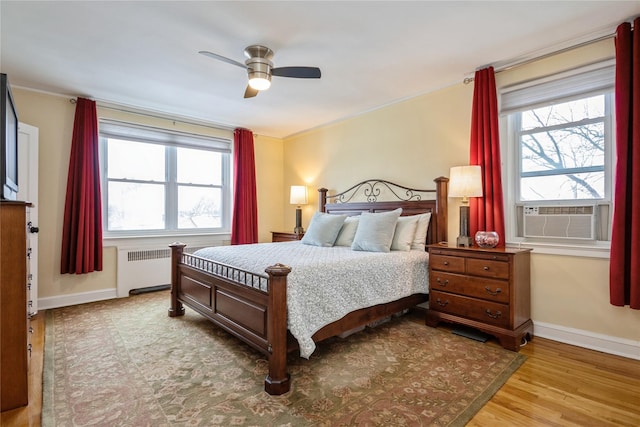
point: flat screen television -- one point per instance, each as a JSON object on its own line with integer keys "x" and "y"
{"x": 8, "y": 142}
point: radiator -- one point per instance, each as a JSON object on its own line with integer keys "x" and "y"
{"x": 144, "y": 267}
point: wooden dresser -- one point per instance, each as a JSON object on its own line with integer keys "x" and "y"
{"x": 14, "y": 326}
{"x": 281, "y": 236}
{"x": 487, "y": 289}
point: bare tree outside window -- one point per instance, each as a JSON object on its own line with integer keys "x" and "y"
{"x": 562, "y": 151}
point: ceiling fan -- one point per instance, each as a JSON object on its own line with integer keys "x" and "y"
{"x": 260, "y": 68}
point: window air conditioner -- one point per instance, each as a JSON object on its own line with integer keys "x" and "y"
{"x": 562, "y": 222}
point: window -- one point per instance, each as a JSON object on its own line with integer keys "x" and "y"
{"x": 559, "y": 152}
{"x": 156, "y": 181}
{"x": 562, "y": 150}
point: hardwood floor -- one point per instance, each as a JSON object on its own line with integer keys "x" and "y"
{"x": 563, "y": 385}
{"x": 558, "y": 385}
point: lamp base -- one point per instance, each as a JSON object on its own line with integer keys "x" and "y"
{"x": 464, "y": 241}
{"x": 298, "y": 229}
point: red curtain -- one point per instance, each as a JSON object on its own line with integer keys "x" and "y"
{"x": 624, "y": 268}
{"x": 244, "y": 227}
{"x": 487, "y": 212}
{"x": 82, "y": 228}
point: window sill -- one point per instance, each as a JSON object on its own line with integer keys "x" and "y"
{"x": 591, "y": 250}
{"x": 209, "y": 239}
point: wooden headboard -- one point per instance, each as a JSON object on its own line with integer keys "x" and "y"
{"x": 412, "y": 201}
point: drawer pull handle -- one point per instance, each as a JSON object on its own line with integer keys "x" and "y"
{"x": 493, "y": 316}
{"x": 490, "y": 292}
{"x": 442, "y": 303}
{"x": 444, "y": 282}
{"x": 445, "y": 262}
{"x": 485, "y": 268}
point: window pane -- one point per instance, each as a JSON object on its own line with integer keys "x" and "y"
{"x": 570, "y": 147}
{"x": 566, "y": 112}
{"x": 135, "y": 160}
{"x": 134, "y": 206}
{"x": 562, "y": 149}
{"x": 199, "y": 166}
{"x": 563, "y": 187}
{"x": 199, "y": 207}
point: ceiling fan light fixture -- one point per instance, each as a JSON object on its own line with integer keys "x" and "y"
{"x": 260, "y": 68}
{"x": 259, "y": 81}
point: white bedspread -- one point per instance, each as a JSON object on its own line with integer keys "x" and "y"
{"x": 327, "y": 283}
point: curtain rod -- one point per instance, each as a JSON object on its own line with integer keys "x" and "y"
{"x": 516, "y": 64}
{"x": 155, "y": 116}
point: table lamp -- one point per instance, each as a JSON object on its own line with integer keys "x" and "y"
{"x": 298, "y": 197}
{"x": 465, "y": 182}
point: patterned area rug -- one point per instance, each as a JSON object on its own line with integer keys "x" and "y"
{"x": 124, "y": 362}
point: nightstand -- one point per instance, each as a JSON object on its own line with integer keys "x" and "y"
{"x": 281, "y": 236}
{"x": 486, "y": 289}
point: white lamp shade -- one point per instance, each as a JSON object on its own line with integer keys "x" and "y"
{"x": 465, "y": 181}
{"x": 298, "y": 195}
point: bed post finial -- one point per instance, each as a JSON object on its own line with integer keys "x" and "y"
{"x": 322, "y": 200}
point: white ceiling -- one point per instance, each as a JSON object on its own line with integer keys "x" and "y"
{"x": 144, "y": 54}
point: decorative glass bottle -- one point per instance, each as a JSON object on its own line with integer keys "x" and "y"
{"x": 487, "y": 239}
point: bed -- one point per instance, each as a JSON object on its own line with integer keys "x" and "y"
{"x": 253, "y": 304}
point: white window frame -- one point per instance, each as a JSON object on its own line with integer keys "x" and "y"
{"x": 108, "y": 128}
{"x": 584, "y": 81}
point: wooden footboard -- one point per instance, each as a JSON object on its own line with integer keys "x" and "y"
{"x": 252, "y": 307}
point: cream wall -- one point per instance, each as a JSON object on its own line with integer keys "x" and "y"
{"x": 413, "y": 142}
{"x": 269, "y": 176}
{"x": 409, "y": 143}
{"x": 53, "y": 115}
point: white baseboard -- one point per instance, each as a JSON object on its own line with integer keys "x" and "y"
{"x": 591, "y": 340}
{"x": 74, "y": 299}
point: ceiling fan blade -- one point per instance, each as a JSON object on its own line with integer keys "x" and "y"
{"x": 222, "y": 58}
{"x": 298, "y": 72}
{"x": 250, "y": 92}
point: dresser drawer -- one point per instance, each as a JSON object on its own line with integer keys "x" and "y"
{"x": 453, "y": 264}
{"x": 471, "y": 308}
{"x": 488, "y": 289}
{"x": 488, "y": 268}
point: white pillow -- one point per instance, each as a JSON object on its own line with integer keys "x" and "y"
{"x": 347, "y": 232}
{"x": 420, "y": 237}
{"x": 323, "y": 229}
{"x": 375, "y": 231}
{"x": 405, "y": 233}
